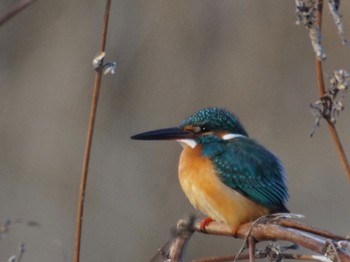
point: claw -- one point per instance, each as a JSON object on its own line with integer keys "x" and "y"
{"x": 206, "y": 221}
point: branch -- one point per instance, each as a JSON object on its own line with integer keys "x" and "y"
{"x": 309, "y": 229}
{"x": 265, "y": 232}
{"x": 263, "y": 254}
{"x": 84, "y": 173}
{"x": 174, "y": 249}
{"x": 15, "y": 11}
{"x": 270, "y": 230}
{"x": 322, "y": 92}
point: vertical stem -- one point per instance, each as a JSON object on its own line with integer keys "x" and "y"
{"x": 84, "y": 172}
{"x": 321, "y": 91}
{"x": 319, "y": 70}
{"x": 15, "y": 11}
{"x": 339, "y": 148}
{"x": 251, "y": 246}
{"x": 177, "y": 247}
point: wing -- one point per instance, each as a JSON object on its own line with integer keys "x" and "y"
{"x": 252, "y": 170}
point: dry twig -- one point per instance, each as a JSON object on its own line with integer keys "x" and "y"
{"x": 174, "y": 249}
{"x": 96, "y": 91}
{"x": 267, "y": 229}
{"x": 15, "y": 11}
{"x": 322, "y": 92}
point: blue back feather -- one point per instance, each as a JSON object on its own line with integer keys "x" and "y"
{"x": 249, "y": 168}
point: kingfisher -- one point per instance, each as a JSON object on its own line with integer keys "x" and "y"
{"x": 224, "y": 173}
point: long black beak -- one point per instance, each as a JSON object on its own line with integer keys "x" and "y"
{"x": 172, "y": 133}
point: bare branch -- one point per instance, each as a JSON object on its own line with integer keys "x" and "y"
{"x": 267, "y": 231}
{"x": 329, "y": 246}
{"x": 260, "y": 255}
{"x": 322, "y": 92}
{"x": 334, "y": 9}
{"x": 309, "y": 229}
{"x": 307, "y": 15}
{"x": 174, "y": 249}
{"x": 96, "y": 91}
{"x": 15, "y": 11}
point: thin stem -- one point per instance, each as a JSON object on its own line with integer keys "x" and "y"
{"x": 84, "y": 173}
{"x": 263, "y": 229}
{"x": 309, "y": 229}
{"x": 14, "y": 11}
{"x": 251, "y": 245}
{"x": 334, "y": 250}
{"x": 321, "y": 91}
{"x": 339, "y": 148}
{"x": 245, "y": 256}
{"x": 242, "y": 256}
{"x": 268, "y": 232}
{"x": 20, "y": 252}
{"x": 319, "y": 70}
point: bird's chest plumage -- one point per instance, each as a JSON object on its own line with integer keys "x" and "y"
{"x": 206, "y": 191}
{"x": 197, "y": 177}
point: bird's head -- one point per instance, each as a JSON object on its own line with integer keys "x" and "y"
{"x": 205, "y": 125}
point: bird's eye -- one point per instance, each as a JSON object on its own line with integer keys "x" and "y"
{"x": 196, "y": 129}
{"x": 206, "y": 128}
{"x": 201, "y": 129}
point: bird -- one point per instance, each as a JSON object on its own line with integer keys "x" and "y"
{"x": 224, "y": 173}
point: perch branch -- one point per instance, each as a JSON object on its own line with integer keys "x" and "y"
{"x": 261, "y": 255}
{"x": 321, "y": 91}
{"x": 267, "y": 231}
{"x": 84, "y": 173}
{"x": 15, "y": 11}
{"x": 329, "y": 246}
{"x": 309, "y": 229}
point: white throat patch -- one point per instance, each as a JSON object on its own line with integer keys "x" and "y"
{"x": 187, "y": 142}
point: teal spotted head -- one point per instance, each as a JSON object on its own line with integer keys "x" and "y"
{"x": 205, "y": 125}
{"x": 213, "y": 119}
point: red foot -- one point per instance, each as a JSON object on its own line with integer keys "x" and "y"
{"x": 206, "y": 221}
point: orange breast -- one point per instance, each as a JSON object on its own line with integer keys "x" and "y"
{"x": 206, "y": 192}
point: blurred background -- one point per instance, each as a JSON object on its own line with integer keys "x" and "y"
{"x": 174, "y": 57}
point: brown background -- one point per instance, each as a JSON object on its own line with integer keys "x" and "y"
{"x": 174, "y": 57}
